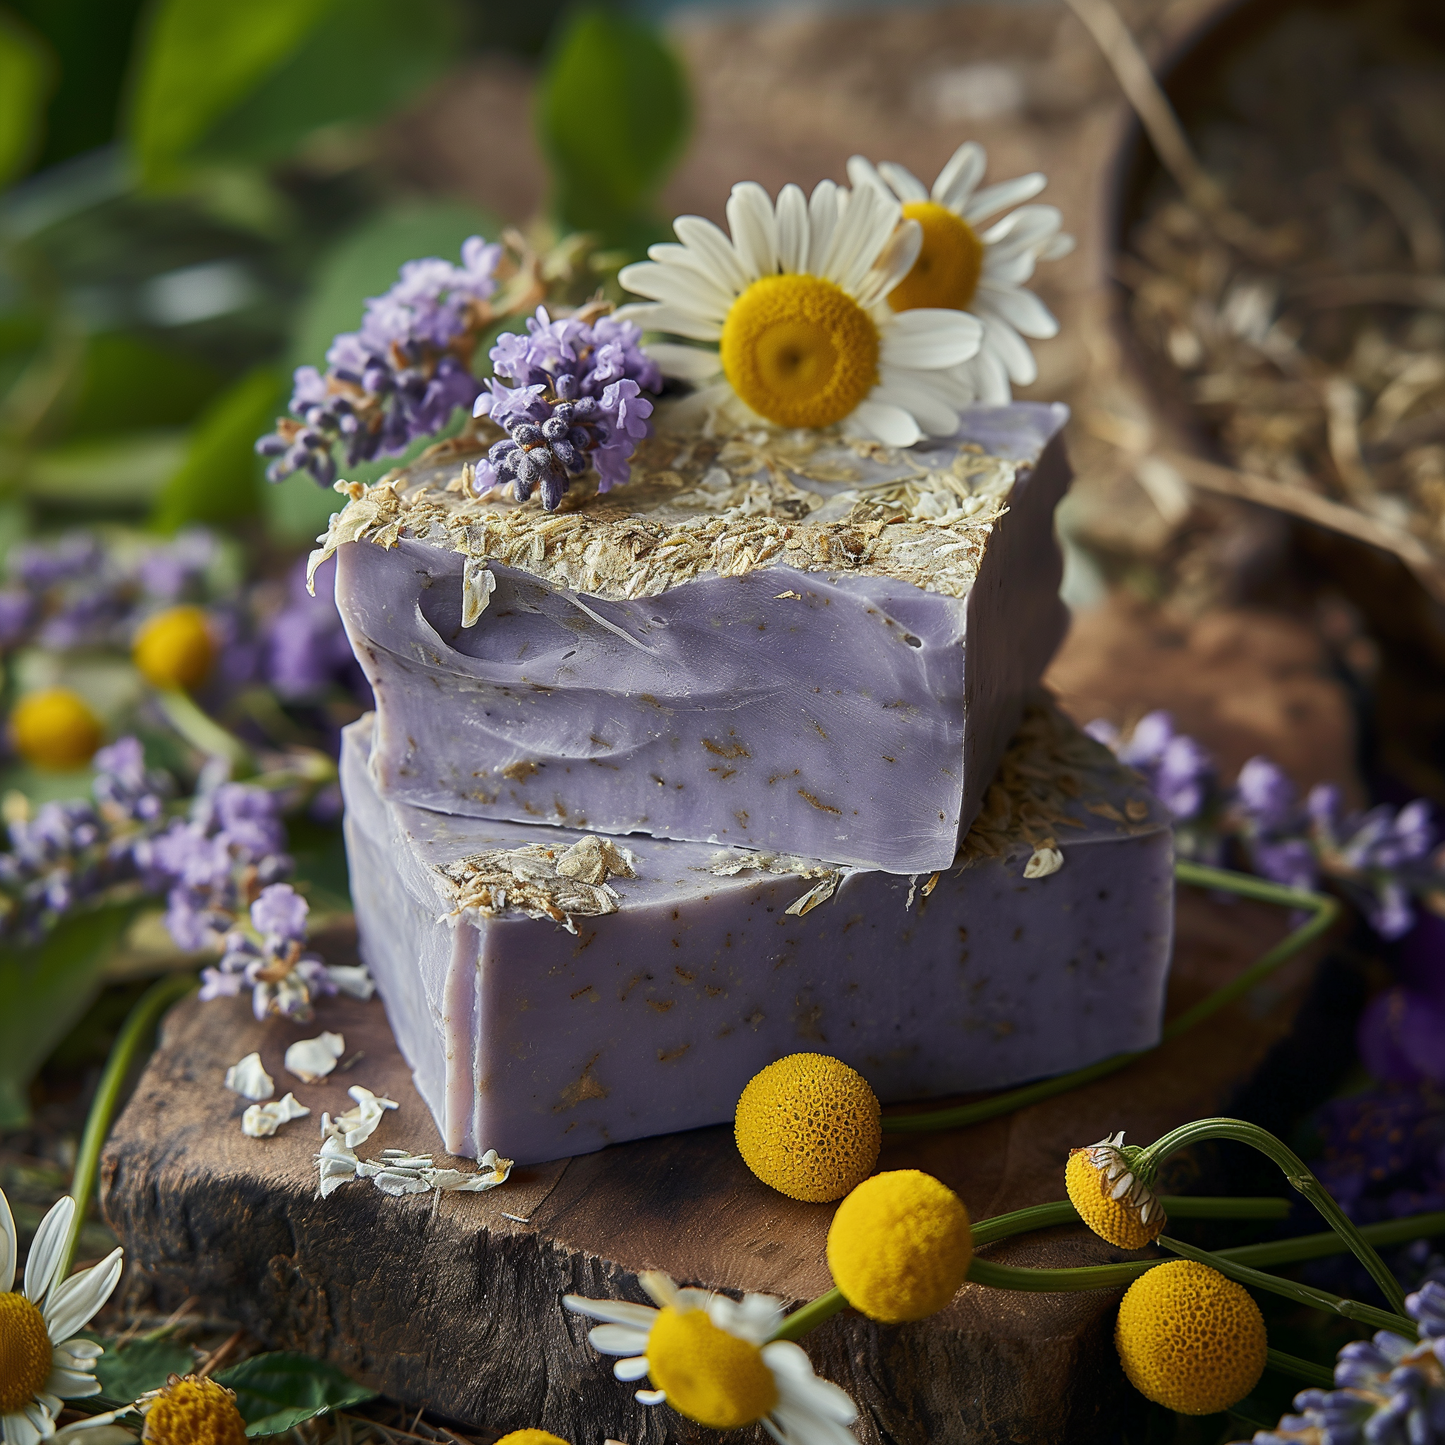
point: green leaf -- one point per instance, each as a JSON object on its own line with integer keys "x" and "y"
{"x": 613, "y": 113}
{"x": 360, "y": 62}
{"x": 276, "y": 1392}
{"x": 44, "y": 989}
{"x": 127, "y": 383}
{"x": 198, "y": 59}
{"x": 26, "y": 76}
{"x": 114, "y": 473}
{"x": 126, "y": 1375}
{"x": 220, "y": 480}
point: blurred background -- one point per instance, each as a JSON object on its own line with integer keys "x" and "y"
{"x": 198, "y": 195}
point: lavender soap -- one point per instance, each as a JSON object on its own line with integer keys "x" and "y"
{"x": 772, "y": 640}
{"x": 555, "y": 992}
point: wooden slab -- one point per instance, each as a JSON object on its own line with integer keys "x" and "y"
{"x": 445, "y": 1301}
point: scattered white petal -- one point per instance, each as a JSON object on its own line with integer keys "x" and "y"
{"x": 357, "y": 1125}
{"x": 353, "y": 980}
{"x": 312, "y": 1059}
{"x": 1044, "y": 860}
{"x": 250, "y": 1079}
{"x": 337, "y": 1165}
{"x": 260, "y": 1121}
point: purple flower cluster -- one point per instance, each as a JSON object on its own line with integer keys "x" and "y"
{"x": 1389, "y": 1390}
{"x": 1402, "y": 1031}
{"x": 1384, "y": 1152}
{"x": 306, "y": 652}
{"x": 401, "y": 376}
{"x": 575, "y": 401}
{"x": 68, "y": 854}
{"x": 1380, "y": 858}
{"x": 282, "y": 976}
{"x": 78, "y": 592}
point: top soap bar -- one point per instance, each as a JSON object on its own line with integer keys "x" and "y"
{"x": 768, "y": 640}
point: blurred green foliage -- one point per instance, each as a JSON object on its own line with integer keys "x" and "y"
{"x": 25, "y": 77}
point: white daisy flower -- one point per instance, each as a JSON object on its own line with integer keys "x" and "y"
{"x": 711, "y": 1359}
{"x": 40, "y": 1363}
{"x": 795, "y": 304}
{"x": 981, "y": 272}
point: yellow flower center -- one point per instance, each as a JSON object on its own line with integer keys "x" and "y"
{"x": 799, "y": 350}
{"x": 531, "y": 1437}
{"x": 709, "y": 1375}
{"x": 193, "y": 1411}
{"x": 900, "y": 1246}
{"x": 1190, "y": 1339}
{"x": 175, "y": 648}
{"x": 1091, "y": 1192}
{"x": 55, "y": 729}
{"x": 24, "y": 1352}
{"x": 809, "y": 1126}
{"x": 948, "y": 266}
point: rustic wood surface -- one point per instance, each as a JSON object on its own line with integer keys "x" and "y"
{"x": 444, "y": 1300}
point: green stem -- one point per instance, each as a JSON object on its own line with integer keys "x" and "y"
{"x": 136, "y": 1029}
{"x": 1306, "y": 1370}
{"x": 204, "y": 733}
{"x": 1317, "y": 1246}
{"x": 811, "y": 1315}
{"x": 1323, "y": 911}
{"x": 1318, "y": 1298}
{"x": 1294, "y": 1169}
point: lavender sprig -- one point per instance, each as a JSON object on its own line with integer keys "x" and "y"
{"x": 1389, "y": 1390}
{"x": 575, "y": 401}
{"x": 401, "y": 376}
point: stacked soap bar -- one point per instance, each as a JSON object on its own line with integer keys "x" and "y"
{"x": 770, "y": 641}
{"x": 555, "y": 991}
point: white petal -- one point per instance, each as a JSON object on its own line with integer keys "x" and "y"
{"x": 930, "y": 338}
{"x": 650, "y": 1397}
{"x": 889, "y": 424}
{"x": 862, "y": 172}
{"x": 1021, "y": 309}
{"x": 1023, "y": 229}
{"x": 686, "y": 363}
{"x": 795, "y": 1378}
{"x": 629, "y": 1370}
{"x": 822, "y": 222}
{"x": 711, "y": 244}
{"x": 1059, "y": 247}
{"x": 792, "y": 230}
{"x": 18, "y": 1430}
{"x": 47, "y": 1249}
{"x": 250, "y": 1079}
{"x": 73, "y": 1303}
{"x": 958, "y": 178}
{"x": 934, "y": 416}
{"x": 78, "y": 1354}
{"x": 312, "y": 1059}
{"x": 354, "y": 980}
{"x": 613, "y": 1311}
{"x": 617, "y": 1339}
{"x": 1011, "y": 351}
{"x": 39, "y": 1414}
{"x": 754, "y": 229}
{"x": 71, "y": 1384}
{"x": 653, "y": 316}
{"x": 261, "y": 1121}
{"x": 863, "y": 232}
{"x": 1007, "y": 193}
{"x": 985, "y": 377}
{"x": 904, "y": 184}
{"x": 680, "y": 287}
{"x": 95, "y": 1432}
{"x": 9, "y": 1246}
{"x": 893, "y": 265}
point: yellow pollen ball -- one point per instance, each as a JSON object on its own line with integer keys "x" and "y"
{"x": 708, "y": 1375}
{"x": 55, "y": 729}
{"x": 531, "y": 1437}
{"x": 1115, "y": 1220}
{"x": 949, "y": 262}
{"x": 900, "y": 1246}
{"x": 176, "y": 648}
{"x": 799, "y": 350}
{"x": 809, "y": 1126}
{"x": 194, "y": 1411}
{"x": 1190, "y": 1339}
{"x": 24, "y": 1352}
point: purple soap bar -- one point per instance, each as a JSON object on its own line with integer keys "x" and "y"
{"x": 818, "y": 650}
{"x": 556, "y": 991}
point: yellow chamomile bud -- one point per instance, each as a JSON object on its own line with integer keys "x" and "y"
{"x": 175, "y": 648}
{"x": 25, "y": 1352}
{"x": 900, "y": 1246}
{"x": 1110, "y": 1197}
{"x": 707, "y": 1373}
{"x": 531, "y": 1437}
{"x": 1190, "y": 1339}
{"x": 809, "y": 1126}
{"x": 55, "y": 729}
{"x": 193, "y": 1411}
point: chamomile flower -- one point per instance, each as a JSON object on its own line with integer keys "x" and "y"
{"x": 709, "y": 1357}
{"x": 795, "y": 306}
{"x": 41, "y": 1363}
{"x": 980, "y": 272}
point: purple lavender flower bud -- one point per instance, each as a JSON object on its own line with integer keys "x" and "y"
{"x": 187, "y": 920}
{"x": 1103, "y": 731}
{"x": 17, "y": 611}
{"x": 1145, "y": 747}
{"x": 1390, "y": 913}
{"x": 280, "y": 912}
{"x": 1291, "y": 862}
{"x": 250, "y": 820}
{"x": 1265, "y": 795}
{"x": 1183, "y": 775}
{"x": 215, "y": 982}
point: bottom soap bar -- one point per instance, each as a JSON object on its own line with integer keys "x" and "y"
{"x": 556, "y": 991}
